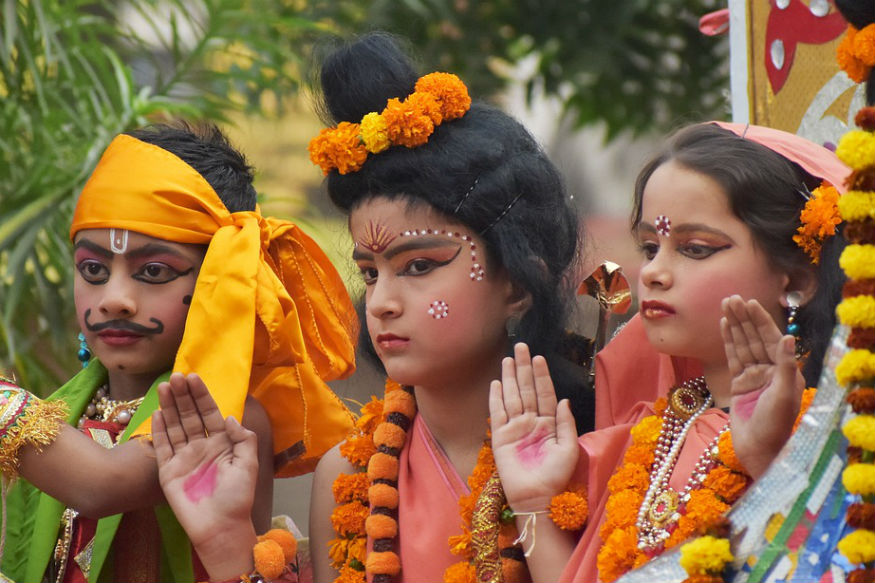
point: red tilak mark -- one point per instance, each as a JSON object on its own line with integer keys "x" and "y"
{"x": 746, "y": 403}
{"x": 530, "y": 451}
{"x": 202, "y": 483}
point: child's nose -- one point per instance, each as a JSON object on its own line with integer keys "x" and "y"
{"x": 656, "y": 272}
{"x": 118, "y": 299}
{"x": 384, "y": 301}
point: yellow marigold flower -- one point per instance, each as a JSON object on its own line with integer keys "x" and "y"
{"x": 858, "y": 546}
{"x": 349, "y": 519}
{"x": 859, "y": 479}
{"x": 358, "y": 549}
{"x": 350, "y": 575}
{"x": 569, "y": 510}
{"x": 338, "y": 148}
{"x": 860, "y": 431}
{"x": 337, "y": 549}
{"x": 858, "y": 261}
{"x": 646, "y": 432}
{"x": 705, "y": 555}
{"x": 864, "y": 45}
{"x": 406, "y": 124}
{"x": 349, "y": 487}
{"x": 856, "y": 365}
{"x": 856, "y": 205}
{"x": 857, "y": 149}
{"x": 857, "y": 312}
{"x": 449, "y": 91}
{"x": 373, "y": 128}
{"x": 463, "y": 572}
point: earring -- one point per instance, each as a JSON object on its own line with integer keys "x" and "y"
{"x": 794, "y": 300}
{"x": 512, "y": 326}
{"x": 84, "y": 354}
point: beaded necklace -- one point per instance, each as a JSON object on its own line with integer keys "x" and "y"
{"x": 645, "y": 515}
{"x": 102, "y": 408}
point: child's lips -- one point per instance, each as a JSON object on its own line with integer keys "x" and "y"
{"x": 119, "y": 337}
{"x": 391, "y": 341}
{"x": 652, "y": 310}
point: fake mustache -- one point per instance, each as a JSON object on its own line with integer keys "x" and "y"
{"x": 124, "y": 325}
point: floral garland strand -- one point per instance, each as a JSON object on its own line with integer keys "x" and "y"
{"x": 437, "y": 97}
{"x": 367, "y": 502}
{"x": 856, "y": 52}
{"x": 724, "y": 482}
{"x": 857, "y": 310}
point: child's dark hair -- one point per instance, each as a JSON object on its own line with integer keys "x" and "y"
{"x": 206, "y": 149}
{"x": 765, "y": 192}
{"x": 483, "y": 170}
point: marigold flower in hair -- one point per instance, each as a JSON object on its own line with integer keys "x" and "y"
{"x": 339, "y": 148}
{"x": 406, "y": 124}
{"x": 374, "y": 135}
{"x": 449, "y": 91}
{"x": 819, "y": 220}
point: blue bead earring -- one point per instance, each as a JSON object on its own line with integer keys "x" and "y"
{"x": 84, "y": 354}
{"x": 794, "y": 300}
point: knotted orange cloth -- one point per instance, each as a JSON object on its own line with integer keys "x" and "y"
{"x": 269, "y": 315}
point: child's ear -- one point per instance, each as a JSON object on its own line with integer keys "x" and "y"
{"x": 803, "y": 282}
{"x": 518, "y": 299}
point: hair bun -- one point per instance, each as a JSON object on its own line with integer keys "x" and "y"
{"x": 362, "y": 76}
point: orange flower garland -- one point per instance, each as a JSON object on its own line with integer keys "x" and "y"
{"x": 438, "y": 97}
{"x": 368, "y": 501}
{"x": 856, "y": 52}
{"x": 857, "y": 209}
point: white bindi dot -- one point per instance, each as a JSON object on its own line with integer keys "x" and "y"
{"x": 663, "y": 225}
{"x": 439, "y": 309}
{"x": 118, "y": 240}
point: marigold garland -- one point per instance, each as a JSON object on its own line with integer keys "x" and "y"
{"x": 368, "y": 500}
{"x": 819, "y": 219}
{"x": 857, "y": 369}
{"x": 437, "y": 97}
{"x": 706, "y": 555}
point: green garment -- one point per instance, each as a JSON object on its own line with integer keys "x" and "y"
{"x": 34, "y": 518}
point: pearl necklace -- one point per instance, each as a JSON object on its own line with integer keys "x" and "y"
{"x": 662, "y": 505}
{"x": 102, "y": 408}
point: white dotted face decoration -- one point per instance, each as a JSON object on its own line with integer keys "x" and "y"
{"x": 118, "y": 240}
{"x": 477, "y": 272}
{"x": 439, "y": 309}
{"x": 663, "y": 225}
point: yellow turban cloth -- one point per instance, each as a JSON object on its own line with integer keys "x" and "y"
{"x": 269, "y": 315}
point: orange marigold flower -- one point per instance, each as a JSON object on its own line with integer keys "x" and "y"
{"x": 622, "y": 508}
{"x": 337, "y": 551}
{"x": 864, "y": 45}
{"x": 727, "y": 484}
{"x": 269, "y": 559}
{"x": 629, "y": 477}
{"x": 358, "y": 550}
{"x": 463, "y": 572}
{"x": 338, "y": 148}
{"x": 406, "y": 124}
{"x": 383, "y": 495}
{"x": 618, "y": 554}
{"x": 704, "y": 507}
{"x": 449, "y": 91}
{"x": 848, "y": 61}
{"x": 569, "y": 510}
{"x": 646, "y": 432}
{"x": 427, "y": 104}
{"x": 371, "y": 415}
{"x": 349, "y": 487}
{"x": 703, "y": 578}
{"x": 726, "y": 453}
{"x": 819, "y": 219}
{"x": 358, "y": 449}
{"x": 639, "y": 454}
{"x": 466, "y": 505}
{"x": 350, "y": 575}
{"x": 383, "y": 563}
{"x": 660, "y": 405}
{"x": 349, "y": 519}
{"x": 460, "y": 544}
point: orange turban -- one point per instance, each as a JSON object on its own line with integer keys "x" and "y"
{"x": 269, "y": 315}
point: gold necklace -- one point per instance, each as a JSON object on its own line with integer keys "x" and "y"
{"x": 102, "y": 408}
